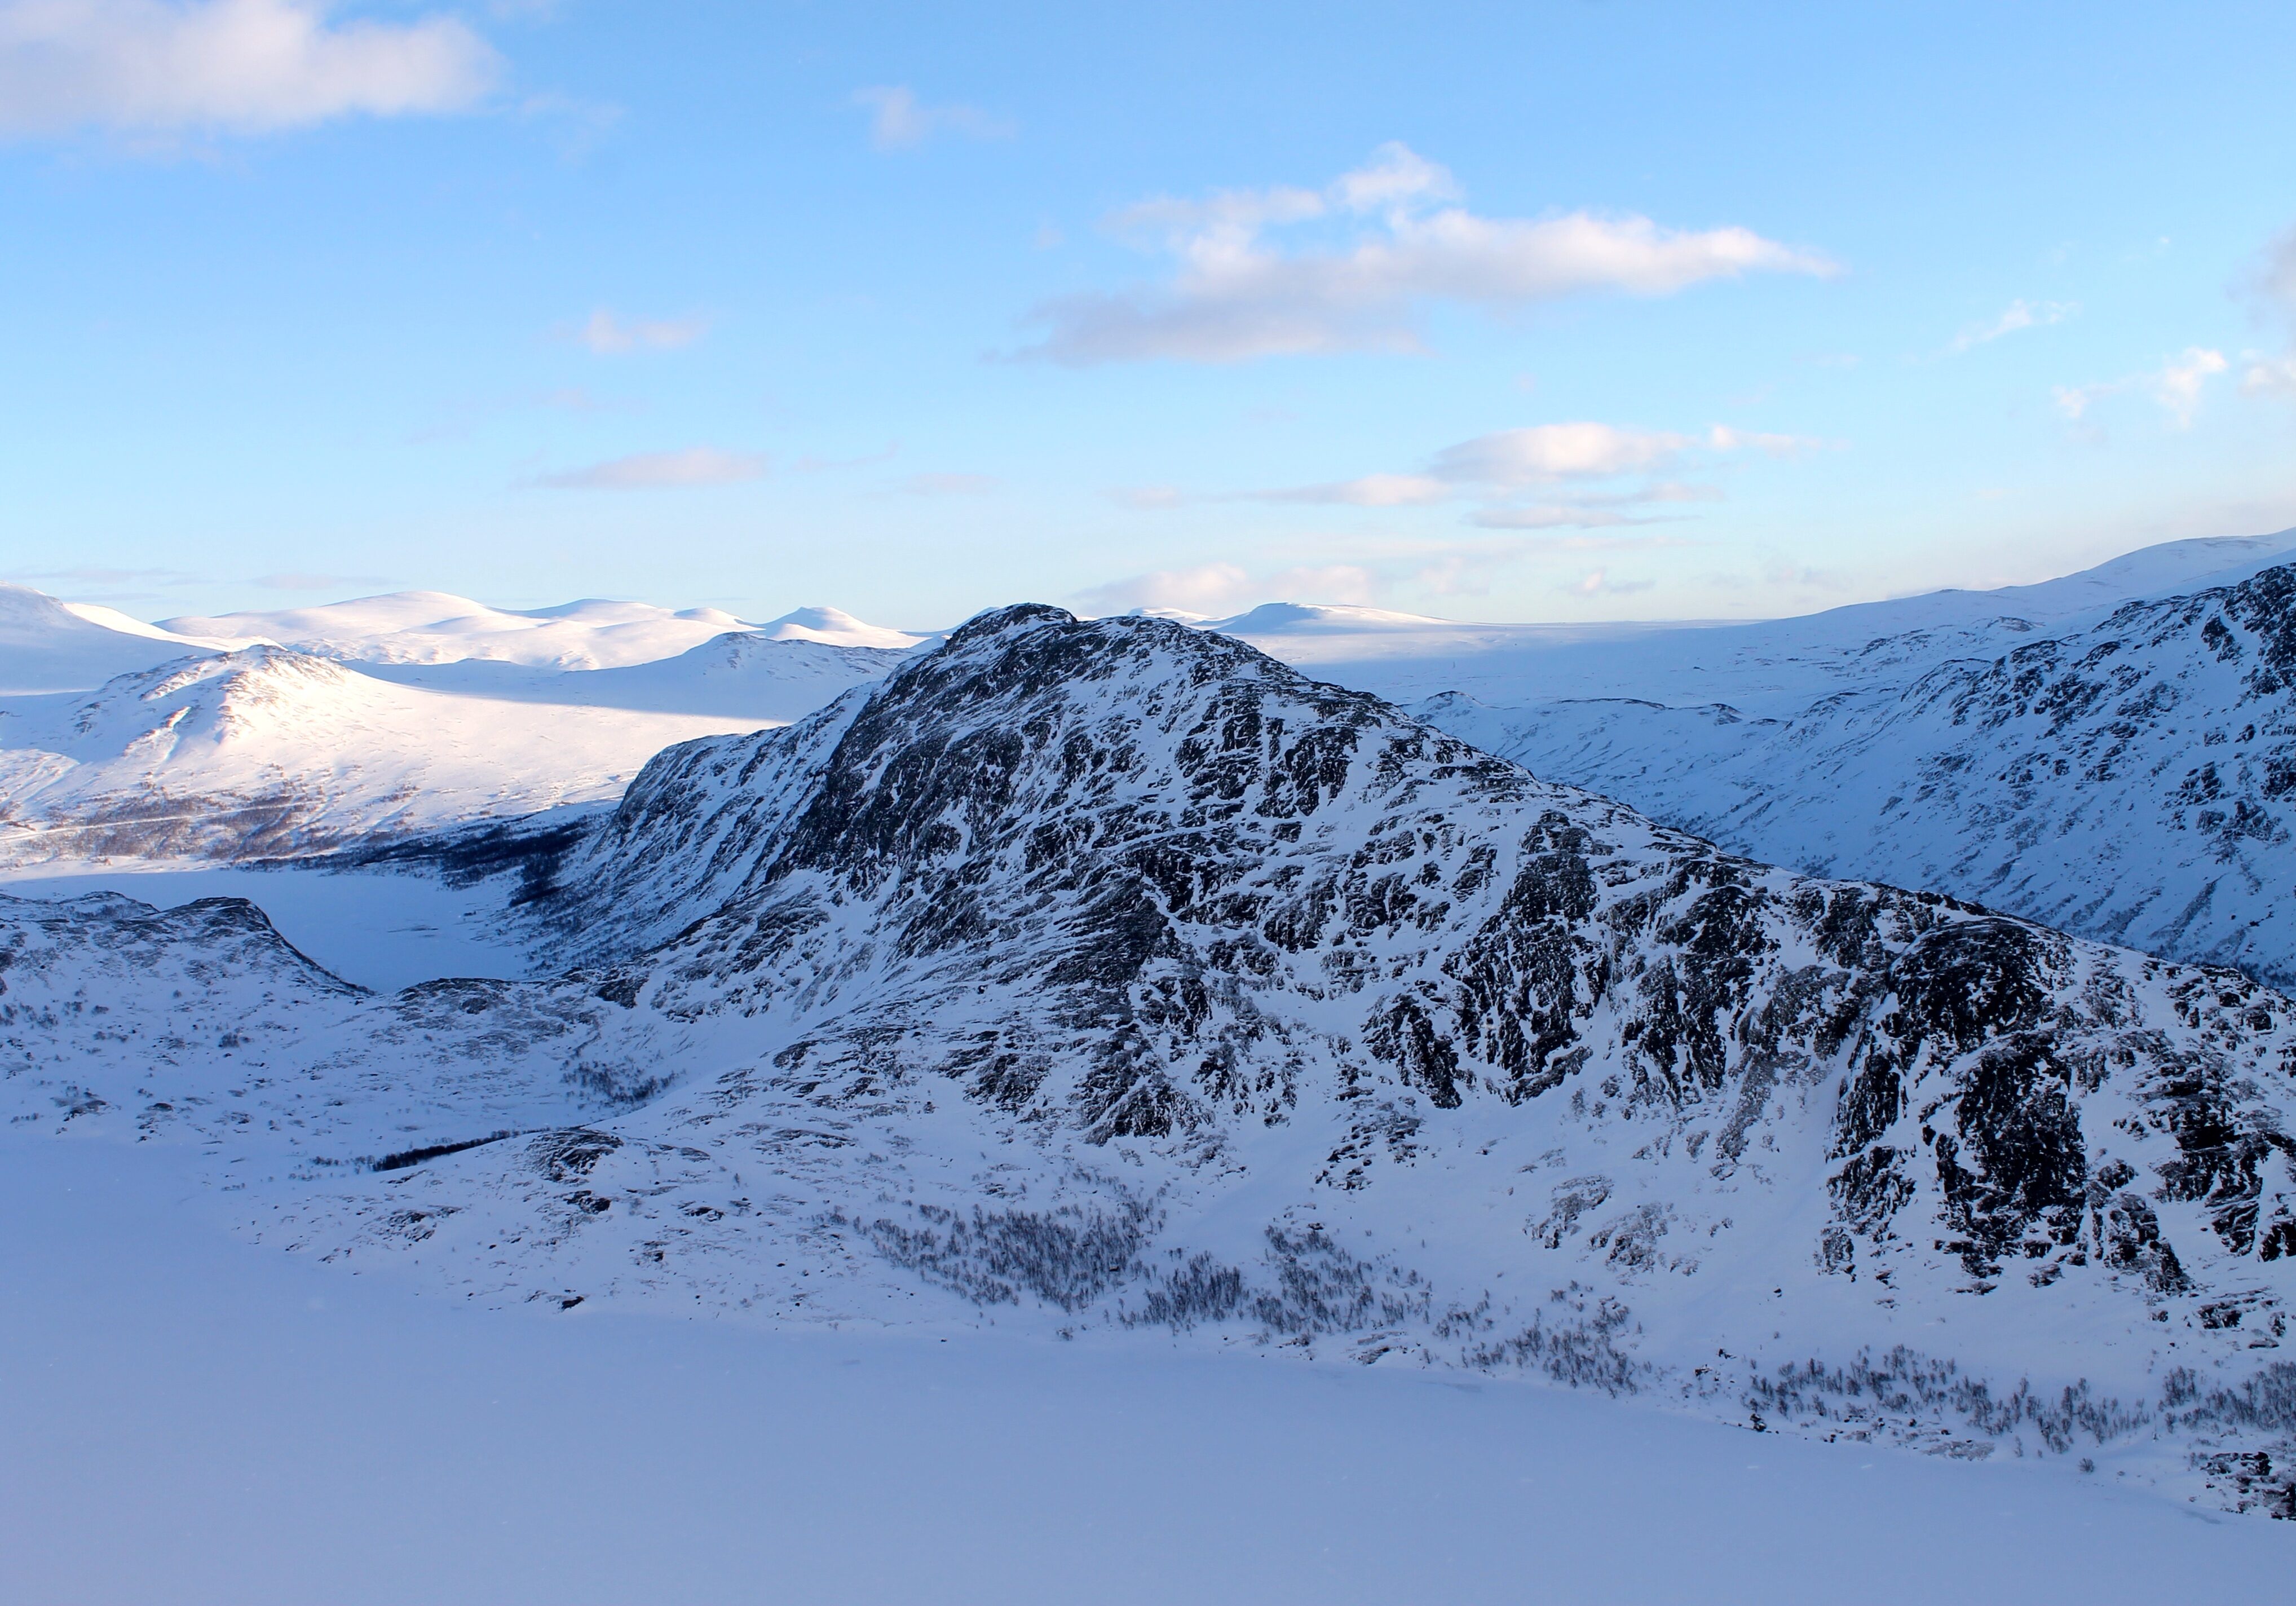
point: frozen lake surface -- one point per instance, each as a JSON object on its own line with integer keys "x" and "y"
{"x": 383, "y": 930}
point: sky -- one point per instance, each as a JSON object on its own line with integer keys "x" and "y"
{"x": 1527, "y": 311}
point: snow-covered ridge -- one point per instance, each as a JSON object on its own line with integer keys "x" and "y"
{"x": 2130, "y": 780}
{"x": 1100, "y": 974}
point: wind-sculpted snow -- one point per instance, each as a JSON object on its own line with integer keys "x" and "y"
{"x": 2133, "y": 782}
{"x": 1105, "y": 976}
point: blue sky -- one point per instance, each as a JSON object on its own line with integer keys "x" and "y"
{"x": 1527, "y": 311}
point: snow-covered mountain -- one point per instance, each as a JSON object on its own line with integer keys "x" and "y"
{"x": 1111, "y": 975}
{"x": 437, "y": 628}
{"x": 119, "y": 739}
{"x": 2128, "y": 780}
{"x": 268, "y": 753}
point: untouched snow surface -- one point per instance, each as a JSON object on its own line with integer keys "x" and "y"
{"x": 1112, "y": 980}
{"x": 198, "y": 1420}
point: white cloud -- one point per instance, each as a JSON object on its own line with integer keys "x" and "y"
{"x": 1372, "y": 490}
{"x": 2020, "y": 315}
{"x": 898, "y": 120}
{"x": 1236, "y": 295}
{"x": 243, "y": 66}
{"x": 658, "y": 471}
{"x": 1546, "y": 452}
{"x": 2176, "y": 385}
{"x": 1540, "y": 458}
{"x": 608, "y": 335}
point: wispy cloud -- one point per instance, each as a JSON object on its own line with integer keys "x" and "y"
{"x": 952, "y": 485}
{"x": 157, "y": 67}
{"x": 2176, "y": 385}
{"x": 2019, "y": 314}
{"x": 1504, "y": 468}
{"x": 899, "y": 121}
{"x": 88, "y": 574}
{"x": 662, "y": 471}
{"x": 610, "y": 336}
{"x": 1148, "y": 499}
{"x": 1400, "y": 243}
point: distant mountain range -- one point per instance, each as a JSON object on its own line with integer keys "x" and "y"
{"x": 389, "y": 715}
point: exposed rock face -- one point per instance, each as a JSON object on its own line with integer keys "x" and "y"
{"x": 1116, "y": 971}
{"x": 2132, "y": 782}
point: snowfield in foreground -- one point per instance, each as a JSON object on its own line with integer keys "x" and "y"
{"x": 1111, "y": 981}
{"x": 204, "y": 1422}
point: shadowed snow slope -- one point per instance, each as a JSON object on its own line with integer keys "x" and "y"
{"x": 2131, "y": 781}
{"x": 1095, "y": 976}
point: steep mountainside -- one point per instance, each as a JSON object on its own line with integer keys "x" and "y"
{"x": 2131, "y": 781}
{"x": 1103, "y": 975}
